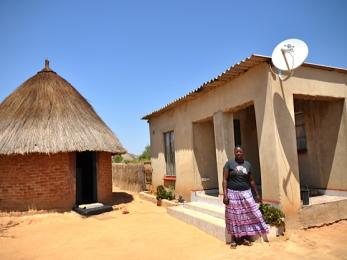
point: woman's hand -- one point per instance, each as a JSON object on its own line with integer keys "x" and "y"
{"x": 258, "y": 199}
{"x": 225, "y": 200}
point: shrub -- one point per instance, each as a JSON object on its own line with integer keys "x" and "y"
{"x": 117, "y": 159}
{"x": 272, "y": 216}
{"x": 163, "y": 193}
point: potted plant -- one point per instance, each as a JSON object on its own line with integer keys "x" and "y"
{"x": 273, "y": 217}
{"x": 162, "y": 193}
{"x": 158, "y": 201}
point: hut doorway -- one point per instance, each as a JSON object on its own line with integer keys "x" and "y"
{"x": 86, "y": 178}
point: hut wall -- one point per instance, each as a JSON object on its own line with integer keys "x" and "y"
{"x": 104, "y": 182}
{"x": 37, "y": 181}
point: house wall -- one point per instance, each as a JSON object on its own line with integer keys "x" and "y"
{"x": 248, "y": 88}
{"x": 325, "y": 134}
{"x": 312, "y": 83}
{"x": 37, "y": 181}
{"x": 104, "y": 177}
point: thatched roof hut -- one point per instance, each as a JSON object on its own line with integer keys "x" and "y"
{"x": 48, "y": 115}
{"x": 55, "y": 151}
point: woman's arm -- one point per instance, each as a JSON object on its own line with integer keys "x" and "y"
{"x": 225, "y": 182}
{"x": 254, "y": 188}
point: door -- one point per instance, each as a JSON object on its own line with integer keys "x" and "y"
{"x": 86, "y": 178}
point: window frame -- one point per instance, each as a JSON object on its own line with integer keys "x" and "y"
{"x": 300, "y": 132}
{"x": 169, "y": 153}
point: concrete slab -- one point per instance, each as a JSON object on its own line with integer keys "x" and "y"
{"x": 209, "y": 224}
{"x": 210, "y": 209}
{"x": 328, "y": 211}
{"x": 198, "y": 196}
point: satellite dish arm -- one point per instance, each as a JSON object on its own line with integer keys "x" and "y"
{"x": 281, "y": 77}
{"x": 285, "y": 59}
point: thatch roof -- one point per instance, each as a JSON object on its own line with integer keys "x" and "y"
{"x": 48, "y": 115}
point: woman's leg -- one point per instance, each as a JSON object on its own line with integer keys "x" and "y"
{"x": 233, "y": 243}
{"x": 246, "y": 241}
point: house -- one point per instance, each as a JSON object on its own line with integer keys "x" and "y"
{"x": 55, "y": 151}
{"x": 294, "y": 133}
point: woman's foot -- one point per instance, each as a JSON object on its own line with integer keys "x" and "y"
{"x": 246, "y": 242}
{"x": 233, "y": 245}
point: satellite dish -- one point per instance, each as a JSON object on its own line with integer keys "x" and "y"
{"x": 289, "y": 55}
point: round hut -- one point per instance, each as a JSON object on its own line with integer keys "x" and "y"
{"x": 55, "y": 151}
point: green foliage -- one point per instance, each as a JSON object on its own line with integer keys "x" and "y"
{"x": 117, "y": 159}
{"x": 144, "y": 157}
{"x": 272, "y": 216}
{"x": 163, "y": 193}
{"x": 146, "y": 154}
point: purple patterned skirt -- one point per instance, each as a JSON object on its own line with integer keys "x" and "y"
{"x": 242, "y": 215}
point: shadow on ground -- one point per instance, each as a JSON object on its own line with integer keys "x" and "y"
{"x": 121, "y": 198}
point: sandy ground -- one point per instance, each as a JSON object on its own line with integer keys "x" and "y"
{"x": 147, "y": 232}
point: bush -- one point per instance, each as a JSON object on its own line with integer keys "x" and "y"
{"x": 117, "y": 159}
{"x": 272, "y": 216}
{"x": 163, "y": 193}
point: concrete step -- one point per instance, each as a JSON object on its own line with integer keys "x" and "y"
{"x": 209, "y": 219}
{"x": 198, "y": 196}
{"x": 209, "y": 209}
{"x": 211, "y": 225}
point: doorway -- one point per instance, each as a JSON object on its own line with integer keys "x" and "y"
{"x": 245, "y": 135}
{"x": 205, "y": 153}
{"x": 86, "y": 178}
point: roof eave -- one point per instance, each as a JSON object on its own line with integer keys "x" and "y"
{"x": 230, "y": 74}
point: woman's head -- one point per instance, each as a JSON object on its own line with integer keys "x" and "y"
{"x": 238, "y": 151}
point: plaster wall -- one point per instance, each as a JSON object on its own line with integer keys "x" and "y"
{"x": 308, "y": 83}
{"x": 321, "y": 166}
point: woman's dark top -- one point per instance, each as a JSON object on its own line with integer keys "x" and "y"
{"x": 238, "y": 175}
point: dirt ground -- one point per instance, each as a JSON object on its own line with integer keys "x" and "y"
{"x": 147, "y": 232}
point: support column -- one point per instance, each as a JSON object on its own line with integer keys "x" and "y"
{"x": 277, "y": 150}
{"x": 287, "y": 152}
{"x": 224, "y": 141}
{"x": 268, "y": 150}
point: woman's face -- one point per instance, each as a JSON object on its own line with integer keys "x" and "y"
{"x": 238, "y": 153}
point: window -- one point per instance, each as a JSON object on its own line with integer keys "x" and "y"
{"x": 237, "y": 132}
{"x": 301, "y": 143}
{"x": 169, "y": 141}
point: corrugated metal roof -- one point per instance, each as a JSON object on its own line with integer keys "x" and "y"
{"x": 231, "y": 73}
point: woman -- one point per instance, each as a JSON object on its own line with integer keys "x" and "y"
{"x": 242, "y": 216}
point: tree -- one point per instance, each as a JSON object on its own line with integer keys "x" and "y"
{"x": 146, "y": 154}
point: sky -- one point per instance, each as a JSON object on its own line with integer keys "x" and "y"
{"x": 129, "y": 58}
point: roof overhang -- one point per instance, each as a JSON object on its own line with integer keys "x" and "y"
{"x": 228, "y": 75}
